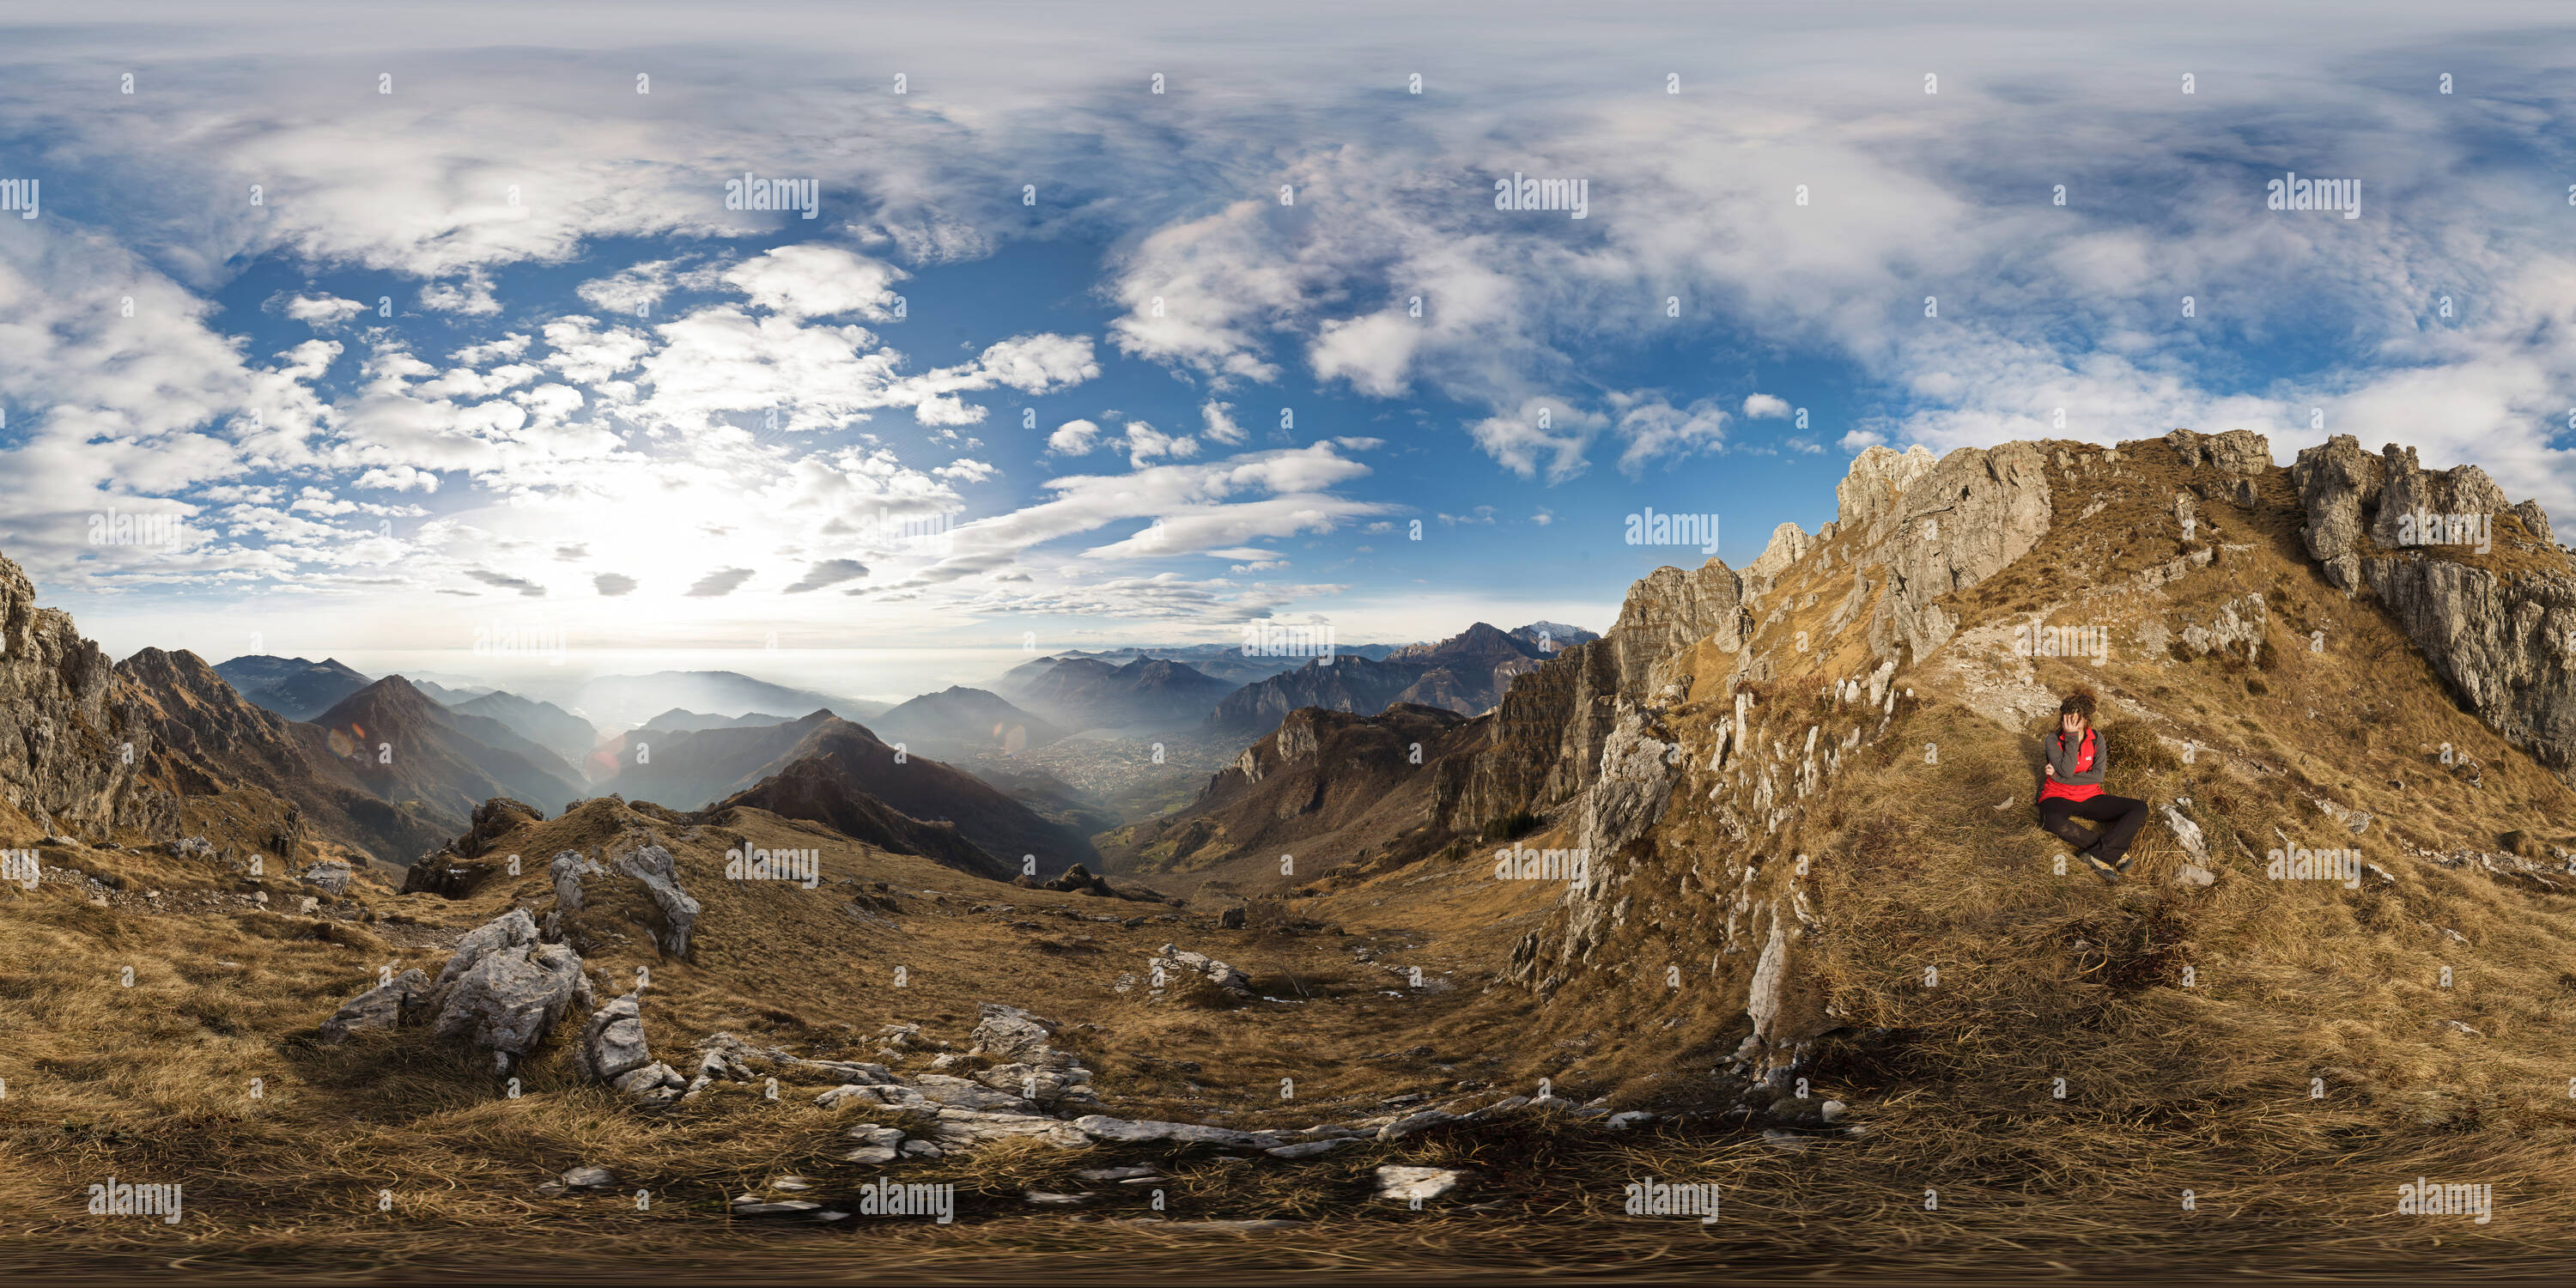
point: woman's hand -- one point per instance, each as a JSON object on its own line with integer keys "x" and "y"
{"x": 2050, "y": 770}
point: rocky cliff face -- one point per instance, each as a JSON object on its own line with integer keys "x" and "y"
{"x": 71, "y": 742}
{"x": 1543, "y": 746}
{"x": 1954, "y": 525}
{"x": 2475, "y": 580}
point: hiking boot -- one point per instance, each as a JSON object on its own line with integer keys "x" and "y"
{"x": 2126, "y": 862}
{"x": 2100, "y": 869}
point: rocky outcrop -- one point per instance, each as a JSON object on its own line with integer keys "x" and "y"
{"x": 72, "y": 741}
{"x": 1543, "y": 746}
{"x": 505, "y": 991}
{"x": 494, "y": 819}
{"x": 1031, "y": 1066}
{"x": 613, "y": 1051}
{"x": 330, "y": 876}
{"x": 1637, "y": 771}
{"x": 1789, "y": 544}
{"x": 2238, "y": 627}
{"x": 2238, "y": 451}
{"x": 654, "y": 866}
{"x": 1172, "y": 964}
{"x": 395, "y": 1002}
{"x": 1876, "y": 482}
{"x": 2501, "y": 631}
{"x": 1956, "y": 524}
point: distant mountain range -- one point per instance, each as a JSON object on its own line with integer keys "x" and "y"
{"x": 959, "y": 722}
{"x": 403, "y": 746}
{"x": 717, "y": 769}
{"x": 628, "y": 701}
{"x": 677, "y": 720}
{"x": 1079, "y": 693}
{"x": 543, "y": 723}
{"x": 1466, "y": 673}
{"x": 291, "y": 686}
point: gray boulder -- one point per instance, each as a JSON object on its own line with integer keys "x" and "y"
{"x": 654, "y": 866}
{"x": 612, "y": 1044}
{"x": 506, "y": 991}
{"x": 330, "y": 875}
{"x": 566, "y": 871}
{"x": 385, "y": 1006}
{"x": 1171, "y": 963}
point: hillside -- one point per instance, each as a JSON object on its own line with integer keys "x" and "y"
{"x": 1801, "y": 797}
{"x": 569, "y": 737}
{"x": 404, "y": 747}
{"x": 958, "y": 722}
{"x": 209, "y": 742}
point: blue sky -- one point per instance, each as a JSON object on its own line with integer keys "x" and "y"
{"x": 1056, "y": 457}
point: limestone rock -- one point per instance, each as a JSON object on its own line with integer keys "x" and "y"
{"x": 1878, "y": 477}
{"x": 506, "y": 991}
{"x": 2238, "y": 451}
{"x": 1789, "y": 544}
{"x": 612, "y": 1043}
{"x": 2239, "y": 625}
{"x": 654, "y": 866}
{"x": 2499, "y": 638}
{"x": 383, "y": 1007}
{"x": 330, "y": 875}
{"x": 566, "y": 872}
{"x": 1120, "y": 1131}
{"x": 65, "y": 720}
{"x": 1172, "y": 962}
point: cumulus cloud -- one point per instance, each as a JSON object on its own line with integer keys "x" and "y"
{"x": 721, "y": 582}
{"x": 1217, "y": 425}
{"x": 321, "y": 312}
{"x": 830, "y": 572}
{"x": 612, "y": 584}
{"x": 1765, "y": 407}
{"x": 1146, "y": 443}
{"x": 505, "y": 582}
{"x": 815, "y": 280}
{"x": 1074, "y": 438}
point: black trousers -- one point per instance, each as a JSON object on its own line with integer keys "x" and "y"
{"x": 2124, "y": 815}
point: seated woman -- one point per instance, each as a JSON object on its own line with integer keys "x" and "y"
{"x": 2073, "y": 789}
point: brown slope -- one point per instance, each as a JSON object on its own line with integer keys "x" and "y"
{"x": 932, "y": 792}
{"x": 404, "y": 747}
{"x": 691, "y": 769}
{"x": 1325, "y": 788}
{"x": 209, "y": 740}
{"x": 817, "y": 790}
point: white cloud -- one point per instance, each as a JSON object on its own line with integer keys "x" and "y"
{"x": 470, "y": 295}
{"x": 321, "y": 312}
{"x": 1765, "y": 407}
{"x": 1074, "y": 438}
{"x": 1218, "y": 425}
{"x": 811, "y": 279}
{"x": 1146, "y": 443}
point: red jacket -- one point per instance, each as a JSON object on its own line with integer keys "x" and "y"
{"x": 2083, "y": 764}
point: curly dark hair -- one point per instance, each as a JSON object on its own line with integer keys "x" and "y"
{"x": 2078, "y": 703}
